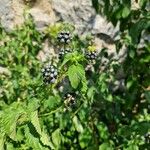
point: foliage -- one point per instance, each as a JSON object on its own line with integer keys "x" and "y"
{"x": 35, "y": 116}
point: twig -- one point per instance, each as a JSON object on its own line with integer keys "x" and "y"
{"x": 47, "y": 114}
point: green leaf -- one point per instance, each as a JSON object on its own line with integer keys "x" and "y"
{"x": 9, "y": 120}
{"x": 131, "y": 53}
{"x": 85, "y": 138}
{"x": 137, "y": 28}
{"x": 145, "y": 59}
{"x": 106, "y": 146}
{"x": 52, "y": 102}
{"x": 10, "y": 146}
{"x": 109, "y": 97}
{"x": 129, "y": 84}
{"x": 141, "y": 127}
{"x": 142, "y": 3}
{"x": 103, "y": 131}
{"x": 90, "y": 93}
{"x": 125, "y": 131}
{"x": 35, "y": 121}
{"x": 1, "y": 142}
{"x": 32, "y": 105}
{"x": 73, "y": 76}
{"x": 77, "y": 124}
{"x": 56, "y": 138}
{"x": 132, "y": 146}
{"x": 67, "y": 58}
{"x": 31, "y": 141}
{"x": 76, "y": 75}
{"x": 45, "y": 140}
{"x": 125, "y": 12}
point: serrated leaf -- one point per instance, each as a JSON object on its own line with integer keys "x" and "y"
{"x": 56, "y": 138}
{"x": 32, "y": 141}
{"x": 46, "y": 141}
{"x": 77, "y": 124}
{"x": 76, "y": 75}
{"x": 1, "y": 142}
{"x": 67, "y": 58}
{"x": 33, "y": 105}
{"x": 35, "y": 121}
{"x": 73, "y": 76}
{"x": 91, "y": 92}
{"x": 9, "y": 120}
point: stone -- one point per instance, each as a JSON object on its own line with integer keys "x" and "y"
{"x": 47, "y": 52}
{"x": 82, "y": 14}
{"x": 42, "y": 14}
{"x": 79, "y": 12}
{"x": 103, "y": 27}
{"x": 11, "y": 13}
{"x": 41, "y": 19}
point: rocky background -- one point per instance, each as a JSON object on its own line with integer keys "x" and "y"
{"x": 46, "y": 12}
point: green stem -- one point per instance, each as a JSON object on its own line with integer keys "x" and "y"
{"x": 77, "y": 110}
{"x": 50, "y": 113}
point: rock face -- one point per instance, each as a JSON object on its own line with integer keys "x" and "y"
{"x": 44, "y": 12}
{"x": 11, "y": 13}
{"x": 78, "y": 12}
{"x": 83, "y": 16}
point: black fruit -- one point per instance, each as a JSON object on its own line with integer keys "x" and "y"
{"x": 91, "y": 55}
{"x": 64, "y": 37}
{"x": 70, "y": 100}
{"x": 63, "y": 51}
{"x": 147, "y": 138}
{"x": 50, "y": 73}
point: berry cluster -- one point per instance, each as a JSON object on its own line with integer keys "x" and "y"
{"x": 91, "y": 55}
{"x": 147, "y": 137}
{"x": 63, "y": 51}
{"x": 50, "y": 73}
{"x": 64, "y": 37}
{"x": 69, "y": 100}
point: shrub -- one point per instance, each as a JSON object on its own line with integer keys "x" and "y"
{"x": 80, "y": 108}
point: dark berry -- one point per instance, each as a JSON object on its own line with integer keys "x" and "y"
{"x": 147, "y": 138}
{"x": 49, "y": 73}
{"x": 63, "y": 51}
{"x": 70, "y": 100}
{"x": 91, "y": 55}
{"x": 64, "y": 37}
